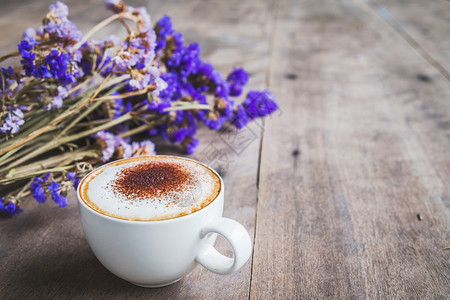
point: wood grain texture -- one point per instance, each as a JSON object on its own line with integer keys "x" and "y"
{"x": 43, "y": 250}
{"x": 422, "y": 24}
{"x": 360, "y": 149}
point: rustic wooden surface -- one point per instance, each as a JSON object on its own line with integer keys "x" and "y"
{"x": 329, "y": 187}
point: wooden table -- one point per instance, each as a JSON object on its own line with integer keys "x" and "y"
{"x": 345, "y": 191}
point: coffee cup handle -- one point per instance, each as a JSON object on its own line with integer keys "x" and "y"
{"x": 236, "y": 235}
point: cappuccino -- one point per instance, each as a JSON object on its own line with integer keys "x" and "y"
{"x": 150, "y": 188}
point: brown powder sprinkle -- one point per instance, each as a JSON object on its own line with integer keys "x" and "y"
{"x": 151, "y": 179}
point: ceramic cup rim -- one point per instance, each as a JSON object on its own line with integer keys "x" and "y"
{"x": 146, "y": 222}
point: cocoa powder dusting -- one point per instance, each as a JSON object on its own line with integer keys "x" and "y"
{"x": 150, "y": 179}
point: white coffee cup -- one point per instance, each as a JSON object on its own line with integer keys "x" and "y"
{"x": 158, "y": 253}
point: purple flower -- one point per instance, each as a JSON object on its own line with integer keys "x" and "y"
{"x": 10, "y": 208}
{"x": 12, "y": 122}
{"x": 224, "y": 106}
{"x": 211, "y": 81}
{"x": 58, "y": 192}
{"x": 29, "y": 33}
{"x": 26, "y": 45}
{"x": 186, "y": 60}
{"x": 145, "y": 147}
{"x": 124, "y": 60}
{"x": 143, "y": 47}
{"x": 113, "y": 145}
{"x": 163, "y": 30}
{"x": 42, "y": 72}
{"x": 259, "y": 104}
{"x": 76, "y": 182}
{"x": 178, "y": 135}
{"x": 110, "y": 41}
{"x": 191, "y": 145}
{"x": 117, "y": 105}
{"x": 58, "y": 66}
{"x": 59, "y": 199}
{"x": 240, "y": 117}
{"x": 213, "y": 121}
{"x": 237, "y": 79}
{"x": 59, "y": 27}
{"x": 116, "y": 6}
{"x": 54, "y": 186}
{"x": 144, "y": 21}
{"x": 124, "y": 149}
{"x": 71, "y": 175}
{"x": 157, "y": 105}
{"x": 37, "y": 190}
{"x": 136, "y": 57}
{"x": 59, "y": 10}
{"x": 18, "y": 113}
{"x": 107, "y": 142}
{"x": 8, "y": 72}
{"x": 28, "y": 56}
{"x": 160, "y": 86}
{"x": 140, "y": 81}
{"x": 222, "y": 87}
{"x": 100, "y": 48}
{"x": 57, "y": 100}
{"x": 65, "y": 32}
{"x": 173, "y": 89}
{"x": 182, "y": 127}
{"x": 9, "y": 81}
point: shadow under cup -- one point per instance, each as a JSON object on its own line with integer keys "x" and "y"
{"x": 158, "y": 253}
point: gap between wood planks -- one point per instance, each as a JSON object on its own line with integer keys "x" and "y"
{"x": 274, "y": 15}
{"x": 384, "y": 14}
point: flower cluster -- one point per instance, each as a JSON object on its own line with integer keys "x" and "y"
{"x": 9, "y": 207}
{"x": 113, "y": 146}
{"x": 58, "y": 190}
{"x": 192, "y": 80}
{"x": 75, "y": 102}
{"x": 58, "y": 61}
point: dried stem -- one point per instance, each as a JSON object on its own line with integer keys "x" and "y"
{"x": 56, "y": 143}
{"x": 124, "y": 15}
{"x": 30, "y": 170}
{"x": 68, "y": 113}
{"x": 129, "y": 94}
{"x": 95, "y": 29}
{"x": 12, "y": 54}
{"x": 139, "y": 129}
{"x": 187, "y": 107}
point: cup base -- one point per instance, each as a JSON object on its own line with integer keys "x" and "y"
{"x": 155, "y": 285}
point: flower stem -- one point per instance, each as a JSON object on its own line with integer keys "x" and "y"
{"x": 138, "y": 129}
{"x": 23, "y": 190}
{"x": 85, "y": 113}
{"x": 32, "y": 174}
{"x": 124, "y": 15}
{"x": 66, "y": 114}
{"x": 187, "y": 107}
{"x": 126, "y": 95}
{"x": 12, "y": 54}
{"x": 56, "y": 143}
{"x": 61, "y": 160}
{"x": 95, "y": 29}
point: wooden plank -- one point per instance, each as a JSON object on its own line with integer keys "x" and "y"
{"x": 43, "y": 251}
{"x": 360, "y": 149}
{"x": 422, "y": 24}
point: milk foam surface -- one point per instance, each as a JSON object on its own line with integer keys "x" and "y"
{"x": 114, "y": 189}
